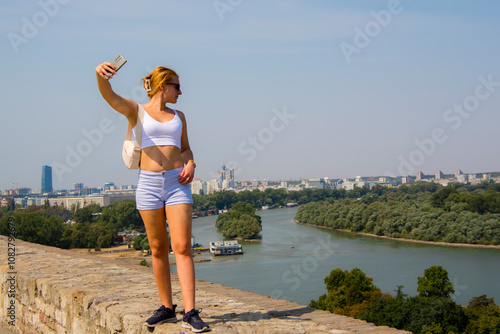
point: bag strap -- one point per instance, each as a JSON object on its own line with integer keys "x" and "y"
{"x": 138, "y": 129}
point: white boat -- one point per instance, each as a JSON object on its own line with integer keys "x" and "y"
{"x": 230, "y": 247}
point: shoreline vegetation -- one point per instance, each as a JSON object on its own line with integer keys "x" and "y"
{"x": 436, "y": 243}
{"x": 457, "y": 215}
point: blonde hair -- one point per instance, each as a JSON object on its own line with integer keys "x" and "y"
{"x": 157, "y": 78}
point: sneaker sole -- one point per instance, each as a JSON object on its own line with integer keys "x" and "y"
{"x": 171, "y": 320}
{"x": 204, "y": 329}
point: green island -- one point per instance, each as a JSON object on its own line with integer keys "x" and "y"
{"x": 240, "y": 222}
{"x": 432, "y": 311}
{"x": 456, "y": 214}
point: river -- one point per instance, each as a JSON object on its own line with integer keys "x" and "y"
{"x": 291, "y": 261}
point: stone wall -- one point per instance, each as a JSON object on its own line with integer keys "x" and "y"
{"x": 62, "y": 291}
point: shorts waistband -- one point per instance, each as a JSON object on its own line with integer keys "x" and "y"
{"x": 166, "y": 173}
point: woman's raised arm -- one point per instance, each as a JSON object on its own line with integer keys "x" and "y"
{"x": 104, "y": 73}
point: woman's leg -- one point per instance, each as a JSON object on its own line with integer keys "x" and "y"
{"x": 156, "y": 228}
{"x": 179, "y": 218}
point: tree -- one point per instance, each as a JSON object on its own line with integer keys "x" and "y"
{"x": 138, "y": 240}
{"x": 433, "y": 311}
{"x": 481, "y": 302}
{"x": 145, "y": 244}
{"x": 243, "y": 208}
{"x": 440, "y": 196}
{"x": 347, "y": 291}
{"x": 125, "y": 214}
{"x": 484, "y": 316}
{"x": 239, "y": 222}
{"x": 84, "y": 215}
{"x": 435, "y": 283}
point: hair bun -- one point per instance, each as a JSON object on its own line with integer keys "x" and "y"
{"x": 156, "y": 79}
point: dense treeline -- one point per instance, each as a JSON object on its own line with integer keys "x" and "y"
{"x": 239, "y": 222}
{"x": 278, "y": 197}
{"x": 94, "y": 227}
{"x": 352, "y": 293}
{"x": 453, "y": 214}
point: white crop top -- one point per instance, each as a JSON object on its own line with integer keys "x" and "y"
{"x": 156, "y": 133}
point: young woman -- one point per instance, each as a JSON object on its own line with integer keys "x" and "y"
{"x": 163, "y": 191}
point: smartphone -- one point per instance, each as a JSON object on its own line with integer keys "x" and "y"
{"x": 119, "y": 61}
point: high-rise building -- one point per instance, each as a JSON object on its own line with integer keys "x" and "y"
{"x": 439, "y": 175}
{"x": 420, "y": 176}
{"x": 225, "y": 174}
{"x": 47, "y": 180}
{"x": 226, "y": 177}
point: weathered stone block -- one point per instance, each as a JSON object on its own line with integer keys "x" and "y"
{"x": 132, "y": 323}
{"x": 60, "y": 317}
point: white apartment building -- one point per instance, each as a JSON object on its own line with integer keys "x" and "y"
{"x": 213, "y": 186}
{"x": 198, "y": 187}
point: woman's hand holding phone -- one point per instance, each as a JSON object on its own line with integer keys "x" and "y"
{"x": 106, "y": 70}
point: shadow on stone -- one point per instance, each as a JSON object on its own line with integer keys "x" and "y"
{"x": 256, "y": 316}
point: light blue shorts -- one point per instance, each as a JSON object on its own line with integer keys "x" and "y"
{"x": 156, "y": 190}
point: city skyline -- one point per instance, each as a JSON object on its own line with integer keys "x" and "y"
{"x": 273, "y": 89}
{"x": 228, "y": 175}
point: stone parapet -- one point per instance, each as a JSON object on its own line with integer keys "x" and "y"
{"x": 61, "y": 291}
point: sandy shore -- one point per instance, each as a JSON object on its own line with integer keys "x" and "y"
{"x": 438, "y": 243}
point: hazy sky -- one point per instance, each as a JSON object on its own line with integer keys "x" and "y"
{"x": 278, "y": 90}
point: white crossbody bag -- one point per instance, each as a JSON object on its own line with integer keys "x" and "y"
{"x": 131, "y": 152}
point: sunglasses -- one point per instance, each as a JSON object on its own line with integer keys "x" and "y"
{"x": 176, "y": 85}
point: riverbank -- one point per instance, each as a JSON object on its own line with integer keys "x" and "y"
{"x": 437, "y": 243}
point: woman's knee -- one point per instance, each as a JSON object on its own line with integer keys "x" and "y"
{"x": 158, "y": 248}
{"x": 181, "y": 248}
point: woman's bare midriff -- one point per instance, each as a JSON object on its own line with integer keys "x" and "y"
{"x": 160, "y": 158}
